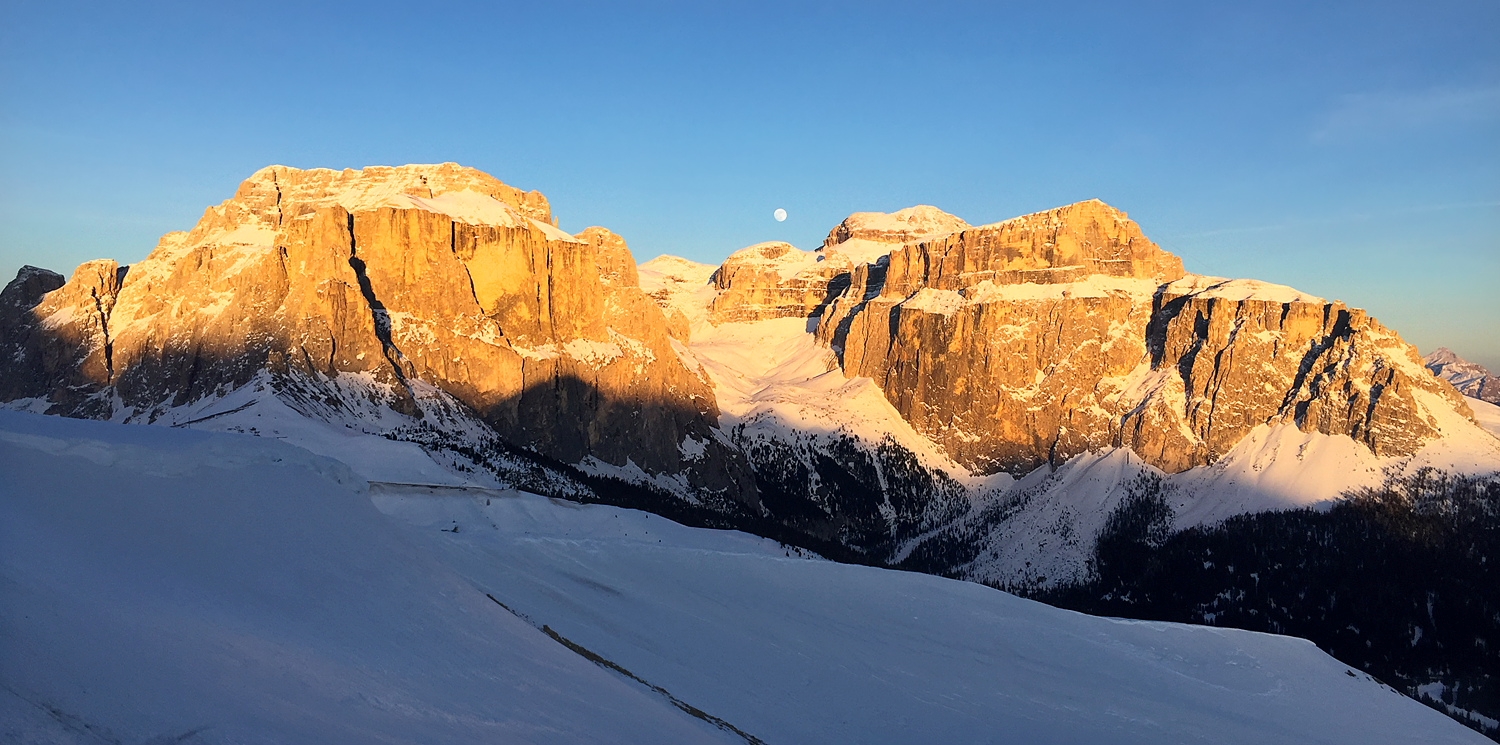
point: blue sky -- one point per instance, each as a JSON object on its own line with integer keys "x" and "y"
{"x": 1350, "y": 150}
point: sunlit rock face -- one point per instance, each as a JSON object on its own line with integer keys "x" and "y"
{"x": 59, "y": 359}
{"x": 408, "y": 279}
{"x": 778, "y": 280}
{"x": 775, "y": 280}
{"x": 1032, "y": 340}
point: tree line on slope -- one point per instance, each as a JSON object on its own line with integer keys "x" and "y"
{"x": 1401, "y": 581}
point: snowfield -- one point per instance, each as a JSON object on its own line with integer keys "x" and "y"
{"x": 159, "y": 584}
{"x": 164, "y": 585}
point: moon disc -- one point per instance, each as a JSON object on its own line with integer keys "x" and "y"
{"x": 779, "y": 214}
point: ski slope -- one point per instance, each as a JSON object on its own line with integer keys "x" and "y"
{"x": 165, "y": 585}
{"x": 160, "y": 584}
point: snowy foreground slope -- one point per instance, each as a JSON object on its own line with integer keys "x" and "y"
{"x": 156, "y": 582}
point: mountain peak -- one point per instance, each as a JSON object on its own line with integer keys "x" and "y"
{"x": 277, "y": 193}
{"x": 1471, "y": 379}
{"x": 30, "y": 284}
{"x": 915, "y": 223}
{"x": 1075, "y": 214}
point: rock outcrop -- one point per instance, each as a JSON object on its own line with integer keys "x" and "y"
{"x": 413, "y": 279}
{"x": 890, "y": 229}
{"x": 778, "y": 280}
{"x": 1032, "y": 340}
{"x": 1247, "y": 353}
{"x": 1472, "y": 380}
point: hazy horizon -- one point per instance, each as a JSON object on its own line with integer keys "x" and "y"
{"x": 1348, "y": 151}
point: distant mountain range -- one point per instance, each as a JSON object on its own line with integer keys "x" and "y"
{"x": 1470, "y": 379}
{"x": 981, "y": 402}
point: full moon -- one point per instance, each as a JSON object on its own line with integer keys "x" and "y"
{"x": 779, "y": 214}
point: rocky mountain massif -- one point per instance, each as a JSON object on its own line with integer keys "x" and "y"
{"x": 433, "y": 291}
{"x": 1036, "y": 339}
{"x": 999, "y": 403}
{"x": 883, "y": 392}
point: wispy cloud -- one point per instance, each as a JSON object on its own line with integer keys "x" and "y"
{"x": 1361, "y": 115}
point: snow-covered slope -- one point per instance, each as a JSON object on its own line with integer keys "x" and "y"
{"x": 1041, "y": 532}
{"x": 162, "y": 585}
{"x": 1487, "y": 414}
{"x": 774, "y": 373}
{"x": 795, "y": 649}
{"x": 169, "y": 584}
{"x": 355, "y": 438}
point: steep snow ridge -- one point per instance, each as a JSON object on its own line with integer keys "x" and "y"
{"x": 682, "y": 285}
{"x": 793, "y": 649}
{"x": 1042, "y": 531}
{"x": 1275, "y": 468}
{"x": 354, "y": 438}
{"x": 774, "y": 374}
{"x": 1465, "y": 446}
{"x": 163, "y": 585}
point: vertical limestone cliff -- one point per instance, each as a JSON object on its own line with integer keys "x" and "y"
{"x": 410, "y": 284}
{"x": 1032, "y": 340}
